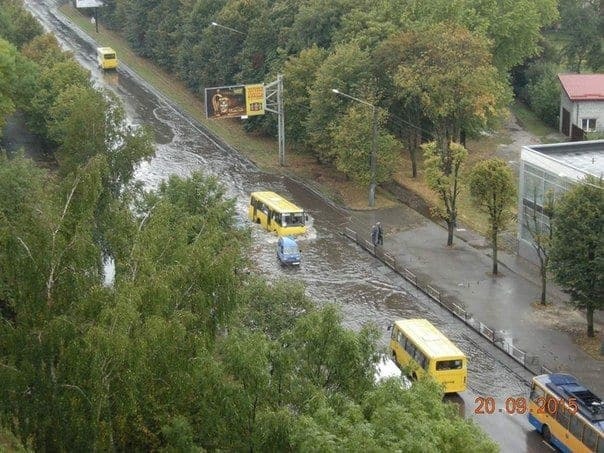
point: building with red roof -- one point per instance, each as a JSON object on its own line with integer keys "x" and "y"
{"x": 581, "y": 104}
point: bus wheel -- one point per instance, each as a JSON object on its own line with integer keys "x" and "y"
{"x": 394, "y": 355}
{"x": 414, "y": 376}
{"x": 546, "y": 433}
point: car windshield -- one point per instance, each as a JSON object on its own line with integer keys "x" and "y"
{"x": 290, "y": 250}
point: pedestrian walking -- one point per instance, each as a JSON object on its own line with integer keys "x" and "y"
{"x": 380, "y": 234}
{"x": 374, "y": 234}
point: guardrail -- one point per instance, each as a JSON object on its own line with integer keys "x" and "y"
{"x": 531, "y": 363}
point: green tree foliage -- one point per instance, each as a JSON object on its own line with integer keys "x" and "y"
{"x": 543, "y": 90}
{"x": 179, "y": 352}
{"x": 300, "y": 73}
{"x": 582, "y": 45}
{"x": 17, "y": 25}
{"x": 449, "y": 71}
{"x": 577, "y": 251}
{"x": 443, "y": 177}
{"x": 52, "y": 81}
{"x": 492, "y": 188}
{"x": 346, "y": 69}
{"x": 352, "y": 139}
{"x": 8, "y": 76}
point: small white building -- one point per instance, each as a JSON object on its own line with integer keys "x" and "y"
{"x": 551, "y": 168}
{"x": 581, "y": 104}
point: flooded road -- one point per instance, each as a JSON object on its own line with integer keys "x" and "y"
{"x": 333, "y": 269}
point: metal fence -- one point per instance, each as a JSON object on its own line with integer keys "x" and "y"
{"x": 531, "y": 363}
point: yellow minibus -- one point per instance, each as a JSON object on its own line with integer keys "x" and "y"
{"x": 423, "y": 349}
{"x": 275, "y": 213}
{"x": 106, "y": 58}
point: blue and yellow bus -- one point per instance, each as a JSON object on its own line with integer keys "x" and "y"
{"x": 277, "y": 214}
{"x": 566, "y": 413}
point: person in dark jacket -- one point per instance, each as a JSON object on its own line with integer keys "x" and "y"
{"x": 380, "y": 234}
{"x": 374, "y": 234}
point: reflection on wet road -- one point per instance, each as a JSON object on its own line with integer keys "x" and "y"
{"x": 332, "y": 269}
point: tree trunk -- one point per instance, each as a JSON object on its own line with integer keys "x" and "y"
{"x": 450, "y": 227}
{"x": 590, "y": 322}
{"x": 413, "y": 155}
{"x": 494, "y": 240}
{"x": 543, "y": 284}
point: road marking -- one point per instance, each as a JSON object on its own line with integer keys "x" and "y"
{"x": 549, "y": 446}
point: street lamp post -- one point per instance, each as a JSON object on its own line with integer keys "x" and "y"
{"x": 372, "y": 162}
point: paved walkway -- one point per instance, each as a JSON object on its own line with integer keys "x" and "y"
{"x": 504, "y": 303}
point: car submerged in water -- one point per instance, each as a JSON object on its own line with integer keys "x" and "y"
{"x": 288, "y": 251}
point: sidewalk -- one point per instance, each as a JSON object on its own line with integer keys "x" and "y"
{"x": 503, "y": 303}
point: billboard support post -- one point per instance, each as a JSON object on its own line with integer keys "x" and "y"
{"x": 275, "y": 90}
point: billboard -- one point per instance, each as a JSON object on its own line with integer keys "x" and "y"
{"x": 88, "y": 3}
{"x": 235, "y": 101}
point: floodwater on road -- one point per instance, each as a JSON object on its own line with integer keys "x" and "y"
{"x": 332, "y": 269}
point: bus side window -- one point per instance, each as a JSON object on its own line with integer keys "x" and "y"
{"x": 537, "y": 393}
{"x": 576, "y": 427}
{"x": 590, "y": 437}
{"x": 563, "y": 416}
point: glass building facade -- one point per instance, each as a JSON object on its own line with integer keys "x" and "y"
{"x": 548, "y": 171}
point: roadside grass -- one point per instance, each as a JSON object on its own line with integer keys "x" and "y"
{"x": 263, "y": 151}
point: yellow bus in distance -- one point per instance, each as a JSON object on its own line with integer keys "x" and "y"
{"x": 419, "y": 346}
{"x": 106, "y": 58}
{"x": 275, "y": 213}
{"x": 566, "y": 413}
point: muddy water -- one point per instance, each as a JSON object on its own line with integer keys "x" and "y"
{"x": 332, "y": 269}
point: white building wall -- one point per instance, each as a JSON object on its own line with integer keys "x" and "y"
{"x": 589, "y": 109}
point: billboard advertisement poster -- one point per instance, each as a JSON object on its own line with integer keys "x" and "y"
{"x": 235, "y": 101}
{"x": 254, "y": 99}
{"x": 88, "y": 3}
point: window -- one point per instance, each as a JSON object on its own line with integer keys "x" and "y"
{"x": 562, "y": 415}
{"x": 588, "y": 124}
{"x": 448, "y": 365}
{"x": 590, "y": 437}
{"x": 537, "y": 393}
{"x": 576, "y": 427}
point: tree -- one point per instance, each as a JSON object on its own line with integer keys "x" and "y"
{"x": 493, "y": 190}
{"x": 352, "y": 143}
{"x": 442, "y": 176}
{"x": 346, "y": 69}
{"x": 299, "y": 75}
{"x": 539, "y": 224}
{"x": 582, "y": 45}
{"x": 449, "y": 70}
{"x": 577, "y": 252}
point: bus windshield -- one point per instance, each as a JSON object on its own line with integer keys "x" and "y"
{"x": 292, "y": 219}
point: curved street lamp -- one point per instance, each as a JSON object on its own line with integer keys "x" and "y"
{"x": 372, "y": 184}
{"x": 215, "y": 24}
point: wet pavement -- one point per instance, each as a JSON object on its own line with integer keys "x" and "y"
{"x": 505, "y": 303}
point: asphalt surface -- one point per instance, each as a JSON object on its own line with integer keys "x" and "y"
{"x": 506, "y": 303}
